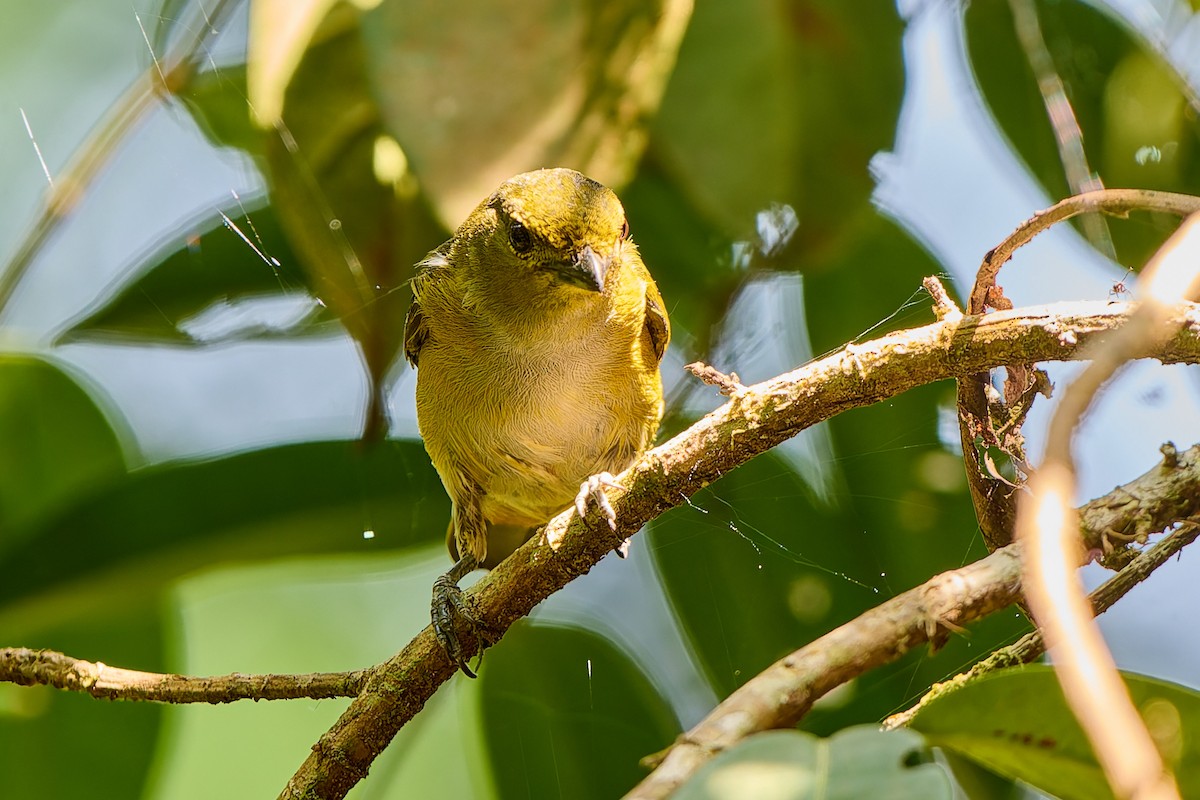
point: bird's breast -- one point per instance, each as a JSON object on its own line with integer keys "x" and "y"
{"x": 528, "y": 424}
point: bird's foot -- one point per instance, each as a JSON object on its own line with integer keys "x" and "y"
{"x": 449, "y": 607}
{"x": 592, "y": 491}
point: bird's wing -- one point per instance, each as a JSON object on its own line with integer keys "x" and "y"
{"x": 657, "y": 328}
{"x": 415, "y": 329}
{"x": 415, "y": 333}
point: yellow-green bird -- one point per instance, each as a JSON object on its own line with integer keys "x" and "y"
{"x": 537, "y": 335}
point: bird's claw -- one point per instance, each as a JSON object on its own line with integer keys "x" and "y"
{"x": 592, "y": 491}
{"x": 450, "y": 605}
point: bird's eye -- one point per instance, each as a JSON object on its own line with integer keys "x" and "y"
{"x": 518, "y": 234}
{"x": 624, "y": 230}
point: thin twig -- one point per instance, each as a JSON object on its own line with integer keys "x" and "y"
{"x": 27, "y": 667}
{"x": 728, "y": 385}
{"x": 944, "y": 307}
{"x": 1117, "y": 202}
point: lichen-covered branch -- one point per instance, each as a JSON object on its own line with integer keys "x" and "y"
{"x": 756, "y": 419}
{"x": 1136, "y": 509}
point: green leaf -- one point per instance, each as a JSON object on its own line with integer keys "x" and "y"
{"x": 124, "y": 545}
{"x": 346, "y": 198}
{"x": 790, "y": 765}
{"x": 567, "y": 714}
{"x": 58, "y": 443}
{"x": 280, "y": 32}
{"x": 217, "y": 101}
{"x": 719, "y": 100}
{"x": 1017, "y": 723}
{"x": 530, "y": 83}
{"x": 778, "y": 103}
{"x": 202, "y": 272}
{"x": 1129, "y": 103}
{"x": 744, "y": 537}
{"x": 110, "y": 746}
{"x": 980, "y": 783}
{"x": 673, "y": 239}
{"x": 294, "y": 616}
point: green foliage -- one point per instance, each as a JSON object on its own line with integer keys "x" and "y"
{"x": 1017, "y": 723}
{"x": 579, "y": 734}
{"x": 1131, "y": 107}
{"x": 307, "y": 551}
{"x": 110, "y": 746}
{"x": 185, "y": 279}
{"x": 58, "y": 443}
{"x": 168, "y": 520}
{"x": 788, "y": 765}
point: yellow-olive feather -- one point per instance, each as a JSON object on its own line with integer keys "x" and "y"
{"x": 537, "y": 335}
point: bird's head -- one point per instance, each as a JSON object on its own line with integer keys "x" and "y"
{"x": 551, "y": 235}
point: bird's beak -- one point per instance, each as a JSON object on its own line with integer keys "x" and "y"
{"x": 586, "y": 270}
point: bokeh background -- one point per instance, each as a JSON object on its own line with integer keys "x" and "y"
{"x": 209, "y": 457}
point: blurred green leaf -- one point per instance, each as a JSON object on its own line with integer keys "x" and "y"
{"x": 124, "y": 545}
{"x": 280, "y": 33}
{"x": 791, "y": 765}
{"x": 781, "y": 103}
{"x": 109, "y": 746}
{"x": 57, "y": 444}
{"x": 1017, "y": 723}
{"x": 528, "y": 85}
{"x": 852, "y": 74}
{"x": 754, "y": 534}
{"x": 207, "y": 270}
{"x": 217, "y": 101}
{"x": 567, "y": 714}
{"x": 345, "y": 196}
{"x": 735, "y": 84}
{"x": 295, "y": 615}
{"x": 1128, "y": 102}
{"x": 690, "y": 261}
{"x": 979, "y": 783}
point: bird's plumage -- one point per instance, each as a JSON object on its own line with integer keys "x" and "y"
{"x": 537, "y": 335}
